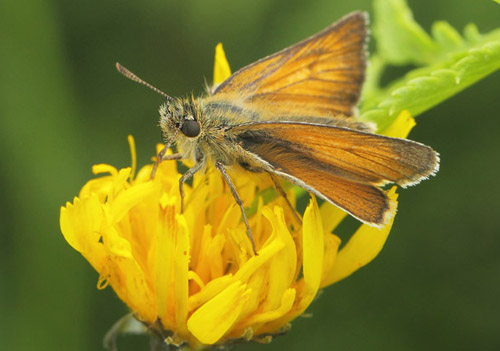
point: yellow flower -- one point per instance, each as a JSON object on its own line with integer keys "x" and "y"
{"x": 192, "y": 277}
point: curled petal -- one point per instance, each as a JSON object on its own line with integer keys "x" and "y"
{"x": 212, "y": 320}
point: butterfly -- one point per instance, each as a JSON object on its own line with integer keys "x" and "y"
{"x": 292, "y": 115}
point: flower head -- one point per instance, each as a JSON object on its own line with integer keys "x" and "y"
{"x": 193, "y": 277}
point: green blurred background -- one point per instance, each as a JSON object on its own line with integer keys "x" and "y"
{"x": 63, "y": 108}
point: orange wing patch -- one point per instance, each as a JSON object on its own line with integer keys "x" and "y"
{"x": 319, "y": 76}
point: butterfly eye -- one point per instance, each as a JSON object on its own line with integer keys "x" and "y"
{"x": 190, "y": 128}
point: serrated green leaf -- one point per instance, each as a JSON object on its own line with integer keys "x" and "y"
{"x": 424, "y": 88}
{"x": 446, "y": 36}
{"x": 452, "y": 63}
{"x": 401, "y": 40}
{"x": 471, "y": 33}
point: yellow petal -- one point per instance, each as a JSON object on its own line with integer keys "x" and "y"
{"x": 164, "y": 263}
{"x": 265, "y": 254}
{"x": 287, "y": 300}
{"x": 100, "y": 186}
{"x": 115, "y": 244}
{"x": 181, "y": 269}
{"x": 256, "y": 287}
{"x": 312, "y": 245}
{"x": 363, "y": 247}
{"x": 212, "y": 320}
{"x": 221, "y": 66}
{"x": 213, "y": 288}
{"x": 130, "y": 284}
{"x": 401, "y": 126}
{"x": 202, "y": 266}
{"x": 282, "y": 266}
{"x": 195, "y": 278}
{"x": 232, "y": 216}
{"x": 129, "y": 198}
{"x": 331, "y": 216}
{"x": 195, "y": 218}
{"x": 81, "y": 224}
{"x": 104, "y": 168}
{"x": 332, "y": 243}
{"x": 214, "y": 255}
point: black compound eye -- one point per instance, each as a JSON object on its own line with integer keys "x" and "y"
{"x": 190, "y": 128}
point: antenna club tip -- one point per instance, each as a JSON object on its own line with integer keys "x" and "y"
{"x": 118, "y": 66}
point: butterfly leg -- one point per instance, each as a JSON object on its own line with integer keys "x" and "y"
{"x": 161, "y": 155}
{"x": 230, "y": 184}
{"x": 189, "y": 173}
{"x": 177, "y": 156}
{"x": 281, "y": 191}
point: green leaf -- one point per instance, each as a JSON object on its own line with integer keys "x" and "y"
{"x": 401, "y": 40}
{"x": 447, "y": 38}
{"x": 449, "y": 63}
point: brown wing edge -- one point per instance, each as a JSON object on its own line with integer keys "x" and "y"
{"x": 360, "y": 15}
{"x": 385, "y": 212}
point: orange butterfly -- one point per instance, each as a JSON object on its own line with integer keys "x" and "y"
{"x": 292, "y": 115}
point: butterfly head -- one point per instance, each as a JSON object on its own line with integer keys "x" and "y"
{"x": 180, "y": 115}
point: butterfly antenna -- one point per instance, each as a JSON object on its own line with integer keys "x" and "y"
{"x": 133, "y": 77}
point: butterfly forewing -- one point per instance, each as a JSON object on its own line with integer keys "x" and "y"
{"x": 319, "y": 76}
